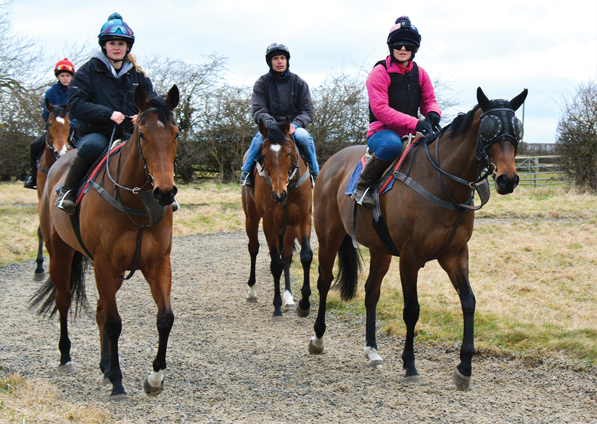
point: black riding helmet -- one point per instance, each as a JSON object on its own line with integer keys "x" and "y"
{"x": 276, "y": 49}
{"x": 403, "y": 33}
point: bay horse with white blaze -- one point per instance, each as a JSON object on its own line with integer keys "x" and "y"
{"x": 429, "y": 215}
{"x": 282, "y": 197}
{"x": 123, "y": 223}
{"x": 57, "y": 144}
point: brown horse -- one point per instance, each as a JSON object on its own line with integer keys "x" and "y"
{"x": 123, "y": 223}
{"x": 429, "y": 216}
{"x": 282, "y": 196}
{"x": 57, "y": 144}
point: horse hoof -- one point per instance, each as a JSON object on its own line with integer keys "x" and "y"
{"x": 276, "y": 318}
{"x": 39, "y": 276}
{"x": 462, "y": 381}
{"x": 303, "y": 313}
{"x": 120, "y": 397}
{"x": 251, "y": 300}
{"x": 315, "y": 347}
{"x": 152, "y": 391}
{"x": 375, "y": 360}
{"x": 66, "y": 368}
{"x": 412, "y": 379}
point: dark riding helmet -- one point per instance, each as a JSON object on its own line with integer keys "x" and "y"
{"x": 64, "y": 65}
{"x": 116, "y": 29}
{"x": 276, "y": 49}
{"x": 404, "y": 33}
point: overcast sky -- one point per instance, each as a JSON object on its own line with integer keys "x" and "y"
{"x": 549, "y": 47}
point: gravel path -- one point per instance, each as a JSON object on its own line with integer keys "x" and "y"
{"x": 228, "y": 364}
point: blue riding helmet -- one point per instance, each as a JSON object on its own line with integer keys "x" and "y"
{"x": 116, "y": 29}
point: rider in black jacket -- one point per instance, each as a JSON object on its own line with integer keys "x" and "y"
{"x": 101, "y": 98}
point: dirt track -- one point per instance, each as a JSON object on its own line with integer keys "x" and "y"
{"x": 227, "y": 363}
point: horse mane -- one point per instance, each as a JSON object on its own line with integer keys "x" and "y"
{"x": 459, "y": 125}
{"x": 276, "y": 135}
{"x": 163, "y": 110}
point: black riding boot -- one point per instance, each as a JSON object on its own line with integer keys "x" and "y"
{"x": 31, "y": 180}
{"x": 67, "y": 198}
{"x": 370, "y": 175}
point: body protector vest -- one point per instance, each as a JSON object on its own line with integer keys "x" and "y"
{"x": 404, "y": 92}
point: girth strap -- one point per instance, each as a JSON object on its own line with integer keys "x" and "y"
{"x": 74, "y": 220}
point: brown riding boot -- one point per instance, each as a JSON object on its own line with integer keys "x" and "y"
{"x": 369, "y": 176}
{"x": 67, "y": 198}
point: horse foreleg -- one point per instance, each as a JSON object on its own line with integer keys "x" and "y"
{"x": 409, "y": 270}
{"x": 380, "y": 263}
{"x": 252, "y": 229}
{"x": 160, "y": 281}
{"x": 287, "y": 250}
{"x": 106, "y": 278}
{"x": 276, "y": 268}
{"x": 457, "y": 269}
{"x": 306, "y": 258}
{"x": 39, "y": 269}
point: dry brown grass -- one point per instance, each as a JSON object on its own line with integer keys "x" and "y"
{"x": 34, "y": 401}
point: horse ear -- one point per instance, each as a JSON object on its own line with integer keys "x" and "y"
{"x": 517, "y": 101}
{"x": 173, "y": 97}
{"x": 48, "y": 105}
{"x": 286, "y": 125}
{"x": 484, "y": 102}
{"x": 262, "y": 128}
{"x": 140, "y": 98}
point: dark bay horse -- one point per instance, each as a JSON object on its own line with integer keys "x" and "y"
{"x": 57, "y": 144}
{"x": 282, "y": 197}
{"x": 123, "y": 222}
{"x": 429, "y": 216}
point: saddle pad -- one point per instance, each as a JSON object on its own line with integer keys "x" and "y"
{"x": 95, "y": 170}
{"x": 356, "y": 174}
{"x": 354, "y": 178}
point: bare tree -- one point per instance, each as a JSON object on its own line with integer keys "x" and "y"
{"x": 577, "y": 136}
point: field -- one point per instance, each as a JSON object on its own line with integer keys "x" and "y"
{"x": 533, "y": 257}
{"x": 532, "y": 263}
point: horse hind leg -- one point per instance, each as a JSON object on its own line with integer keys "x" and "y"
{"x": 252, "y": 229}
{"x": 379, "y": 265}
{"x": 39, "y": 273}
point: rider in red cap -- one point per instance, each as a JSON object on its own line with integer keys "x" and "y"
{"x": 57, "y": 94}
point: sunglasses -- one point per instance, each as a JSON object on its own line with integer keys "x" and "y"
{"x": 65, "y": 68}
{"x": 408, "y": 47}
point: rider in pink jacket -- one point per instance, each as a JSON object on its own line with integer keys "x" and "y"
{"x": 398, "y": 91}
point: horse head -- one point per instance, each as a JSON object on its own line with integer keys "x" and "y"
{"x": 500, "y": 131}
{"x": 280, "y": 160}
{"x": 58, "y": 128}
{"x": 157, "y": 134}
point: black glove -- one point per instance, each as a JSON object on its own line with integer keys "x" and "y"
{"x": 434, "y": 118}
{"x": 424, "y": 127}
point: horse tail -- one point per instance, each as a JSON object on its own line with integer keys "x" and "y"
{"x": 349, "y": 263}
{"x": 45, "y": 296}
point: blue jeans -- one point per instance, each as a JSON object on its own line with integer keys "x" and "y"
{"x": 303, "y": 139}
{"x": 91, "y": 146}
{"x": 386, "y": 144}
